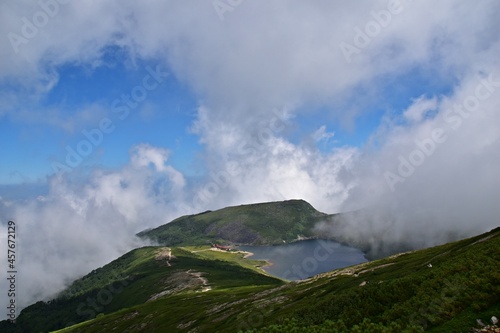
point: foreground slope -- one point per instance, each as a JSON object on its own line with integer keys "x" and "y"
{"x": 440, "y": 289}
{"x": 255, "y": 224}
{"x": 140, "y": 277}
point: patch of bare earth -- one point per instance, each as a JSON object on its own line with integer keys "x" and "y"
{"x": 182, "y": 281}
{"x": 164, "y": 255}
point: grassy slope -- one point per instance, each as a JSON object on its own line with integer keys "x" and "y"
{"x": 463, "y": 284}
{"x": 257, "y": 224}
{"x": 133, "y": 279}
{"x": 207, "y": 252}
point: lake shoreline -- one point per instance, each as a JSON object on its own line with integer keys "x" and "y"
{"x": 248, "y": 254}
{"x": 304, "y": 258}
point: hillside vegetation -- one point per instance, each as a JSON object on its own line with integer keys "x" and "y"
{"x": 189, "y": 287}
{"x": 272, "y": 223}
{"x": 193, "y": 289}
{"x": 256, "y": 224}
{"x": 441, "y": 289}
{"x": 140, "y": 277}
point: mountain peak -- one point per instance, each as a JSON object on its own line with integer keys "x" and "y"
{"x": 251, "y": 224}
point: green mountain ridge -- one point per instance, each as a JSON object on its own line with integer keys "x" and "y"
{"x": 189, "y": 287}
{"x": 440, "y": 289}
{"x": 270, "y": 223}
{"x": 139, "y": 277}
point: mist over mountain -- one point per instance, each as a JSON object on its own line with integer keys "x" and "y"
{"x": 120, "y": 116}
{"x": 448, "y": 288}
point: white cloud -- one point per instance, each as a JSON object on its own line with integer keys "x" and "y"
{"x": 80, "y": 226}
{"x": 447, "y": 188}
{"x": 293, "y": 60}
{"x": 420, "y": 107}
{"x": 322, "y": 135}
{"x": 263, "y": 56}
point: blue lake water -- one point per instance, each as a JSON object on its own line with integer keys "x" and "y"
{"x": 300, "y": 260}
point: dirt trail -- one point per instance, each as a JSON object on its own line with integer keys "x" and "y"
{"x": 204, "y": 281}
{"x": 164, "y": 254}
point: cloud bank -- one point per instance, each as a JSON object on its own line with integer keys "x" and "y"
{"x": 428, "y": 173}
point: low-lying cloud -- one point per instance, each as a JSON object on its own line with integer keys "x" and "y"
{"x": 428, "y": 174}
{"x": 433, "y": 180}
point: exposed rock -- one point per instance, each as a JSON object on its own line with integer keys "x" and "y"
{"x": 181, "y": 281}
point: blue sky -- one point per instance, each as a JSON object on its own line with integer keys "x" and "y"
{"x": 163, "y": 119}
{"x": 253, "y": 104}
{"x": 166, "y": 116}
{"x": 223, "y": 86}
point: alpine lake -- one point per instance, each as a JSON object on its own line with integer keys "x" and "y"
{"x": 303, "y": 259}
